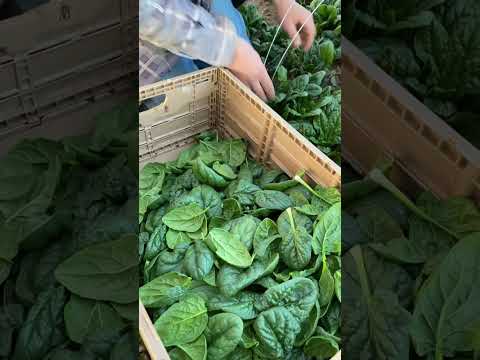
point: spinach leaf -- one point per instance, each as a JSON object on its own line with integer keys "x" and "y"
{"x": 228, "y": 247}
{"x": 42, "y": 329}
{"x": 198, "y": 260}
{"x": 265, "y": 234}
{"x": 174, "y": 238}
{"x": 298, "y": 296}
{"x": 188, "y": 218}
{"x": 164, "y": 290}
{"x": 446, "y": 304}
{"x": 223, "y": 334}
{"x": 231, "y": 279}
{"x": 296, "y": 245}
{"x": 327, "y": 233}
{"x": 376, "y": 322}
{"x": 241, "y": 304}
{"x": 274, "y": 200}
{"x": 208, "y": 176}
{"x": 183, "y": 322}
{"x": 196, "y": 350}
{"x": 218, "y": 276}
{"x": 324, "y": 346}
{"x": 224, "y": 170}
{"x": 84, "y": 317}
{"x": 106, "y": 271}
{"x": 245, "y": 227}
{"x": 276, "y": 330}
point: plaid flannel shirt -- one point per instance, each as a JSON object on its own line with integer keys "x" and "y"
{"x": 172, "y": 28}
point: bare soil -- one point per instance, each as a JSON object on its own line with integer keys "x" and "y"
{"x": 266, "y": 8}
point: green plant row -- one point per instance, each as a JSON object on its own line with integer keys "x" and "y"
{"x": 431, "y": 47}
{"x": 68, "y": 276}
{"x": 306, "y": 83}
{"x": 411, "y": 273}
{"x": 238, "y": 262}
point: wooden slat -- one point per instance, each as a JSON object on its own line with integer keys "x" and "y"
{"x": 149, "y": 336}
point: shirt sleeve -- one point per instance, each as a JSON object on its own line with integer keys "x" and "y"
{"x": 188, "y": 30}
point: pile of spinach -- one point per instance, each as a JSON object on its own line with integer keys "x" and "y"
{"x": 411, "y": 273}
{"x": 68, "y": 264}
{"x": 237, "y": 261}
{"x": 431, "y": 47}
{"x": 306, "y": 83}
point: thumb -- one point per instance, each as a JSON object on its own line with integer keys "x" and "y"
{"x": 291, "y": 30}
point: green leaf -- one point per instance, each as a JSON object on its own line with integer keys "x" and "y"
{"x": 327, "y": 233}
{"x": 106, "y": 271}
{"x": 224, "y": 170}
{"x": 241, "y": 304}
{"x": 203, "y": 195}
{"x": 276, "y": 330}
{"x": 338, "y": 284}
{"x": 374, "y": 321}
{"x": 308, "y": 326}
{"x": 274, "y": 200}
{"x": 84, "y": 317}
{"x": 323, "y": 346}
{"x": 229, "y": 248}
{"x": 296, "y": 245}
{"x": 155, "y": 243}
{"x": 327, "y": 286}
{"x": 176, "y": 237}
{"x": 164, "y": 290}
{"x": 198, "y": 260}
{"x": 230, "y": 279}
{"x": 231, "y": 209}
{"x": 208, "y": 176}
{"x": 447, "y": 304}
{"x": 245, "y": 227}
{"x": 188, "y": 218}
{"x": 42, "y": 329}
{"x": 223, "y": 334}
{"x": 235, "y": 152}
{"x": 298, "y": 296}
{"x": 196, "y": 350}
{"x": 265, "y": 234}
{"x": 183, "y": 322}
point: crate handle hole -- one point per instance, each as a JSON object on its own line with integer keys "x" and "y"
{"x": 430, "y": 135}
{"x": 159, "y": 103}
{"x": 379, "y": 91}
{"x": 412, "y": 121}
{"x": 463, "y": 163}
{"x": 362, "y": 76}
{"x": 448, "y": 150}
{"x": 395, "y": 106}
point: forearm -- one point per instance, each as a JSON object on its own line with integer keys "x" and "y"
{"x": 188, "y": 30}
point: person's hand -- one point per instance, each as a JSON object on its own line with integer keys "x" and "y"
{"x": 248, "y": 67}
{"x": 294, "y": 20}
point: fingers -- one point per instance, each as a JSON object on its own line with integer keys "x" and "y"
{"x": 267, "y": 85}
{"x": 291, "y": 29}
{"x": 308, "y": 34}
{"x": 257, "y": 89}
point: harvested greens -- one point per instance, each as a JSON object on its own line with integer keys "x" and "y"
{"x": 431, "y": 47}
{"x": 306, "y": 83}
{"x": 68, "y": 270}
{"x": 411, "y": 273}
{"x": 238, "y": 260}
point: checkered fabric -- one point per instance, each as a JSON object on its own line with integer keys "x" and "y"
{"x": 184, "y": 28}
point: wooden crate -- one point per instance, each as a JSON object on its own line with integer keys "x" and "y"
{"x": 63, "y": 49}
{"x": 215, "y": 99}
{"x": 381, "y": 119}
